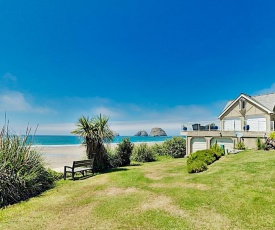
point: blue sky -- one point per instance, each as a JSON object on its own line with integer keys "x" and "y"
{"x": 142, "y": 63}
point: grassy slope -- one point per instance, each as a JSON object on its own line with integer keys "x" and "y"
{"x": 237, "y": 192}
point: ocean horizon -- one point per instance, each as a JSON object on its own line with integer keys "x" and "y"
{"x": 67, "y": 140}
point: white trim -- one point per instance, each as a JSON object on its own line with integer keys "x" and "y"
{"x": 249, "y": 99}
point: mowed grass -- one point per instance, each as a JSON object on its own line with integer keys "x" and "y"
{"x": 236, "y": 192}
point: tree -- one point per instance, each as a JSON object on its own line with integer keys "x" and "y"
{"x": 95, "y": 132}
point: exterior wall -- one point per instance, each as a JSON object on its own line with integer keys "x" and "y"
{"x": 249, "y": 138}
{"x": 250, "y": 142}
{"x": 251, "y": 110}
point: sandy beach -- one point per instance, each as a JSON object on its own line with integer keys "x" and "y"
{"x": 56, "y": 157}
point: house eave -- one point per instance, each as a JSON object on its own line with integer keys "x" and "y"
{"x": 249, "y": 99}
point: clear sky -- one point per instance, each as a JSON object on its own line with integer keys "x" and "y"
{"x": 143, "y": 63}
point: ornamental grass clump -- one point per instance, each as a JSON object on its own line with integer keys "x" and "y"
{"x": 22, "y": 171}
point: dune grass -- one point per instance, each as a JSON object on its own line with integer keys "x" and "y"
{"x": 236, "y": 192}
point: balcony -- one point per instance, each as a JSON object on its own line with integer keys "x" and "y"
{"x": 226, "y": 128}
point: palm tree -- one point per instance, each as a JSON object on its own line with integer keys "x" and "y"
{"x": 95, "y": 132}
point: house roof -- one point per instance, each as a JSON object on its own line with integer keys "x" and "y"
{"x": 265, "y": 101}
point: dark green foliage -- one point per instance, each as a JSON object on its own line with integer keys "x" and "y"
{"x": 114, "y": 160}
{"x": 176, "y": 147}
{"x": 198, "y": 161}
{"x": 142, "y": 153}
{"x": 124, "y": 151}
{"x": 22, "y": 171}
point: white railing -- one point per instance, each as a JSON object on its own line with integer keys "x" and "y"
{"x": 232, "y": 125}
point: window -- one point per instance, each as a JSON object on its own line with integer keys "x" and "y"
{"x": 242, "y": 104}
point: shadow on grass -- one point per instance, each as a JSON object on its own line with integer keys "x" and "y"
{"x": 135, "y": 164}
{"x": 111, "y": 170}
{"x": 78, "y": 176}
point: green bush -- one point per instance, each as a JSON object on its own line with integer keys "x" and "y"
{"x": 124, "y": 151}
{"x": 22, "y": 171}
{"x": 240, "y": 145}
{"x": 176, "y": 147}
{"x": 272, "y": 135}
{"x": 196, "y": 166}
{"x": 142, "y": 153}
{"x": 218, "y": 149}
{"x": 157, "y": 149}
{"x": 198, "y": 161}
{"x": 260, "y": 144}
{"x": 114, "y": 159}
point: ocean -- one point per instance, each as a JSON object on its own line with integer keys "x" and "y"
{"x": 75, "y": 140}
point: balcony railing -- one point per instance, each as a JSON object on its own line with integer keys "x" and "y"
{"x": 257, "y": 126}
{"x": 200, "y": 126}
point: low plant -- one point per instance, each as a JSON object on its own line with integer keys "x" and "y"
{"x": 157, "y": 149}
{"x": 217, "y": 148}
{"x": 260, "y": 144}
{"x": 176, "y": 147}
{"x": 22, "y": 171}
{"x": 196, "y": 166}
{"x": 143, "y": 153}
{"x": 124, "y": 151}
{"x": 272, "y": 135}
{"x": 198, "y": 161}
{"x": 113, "y": 158}
{"x": 240, "y": 145}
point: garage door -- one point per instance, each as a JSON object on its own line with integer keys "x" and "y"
{"x": 232, "y": 125}
{"x": 256, "y": 123}
{"x": 198, "y": 143}
{"x": 227, "y": 142}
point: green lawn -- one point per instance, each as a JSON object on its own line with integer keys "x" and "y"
{"x": 236, "y": 192}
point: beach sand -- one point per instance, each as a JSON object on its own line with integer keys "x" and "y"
{"x": 56, "y": 157}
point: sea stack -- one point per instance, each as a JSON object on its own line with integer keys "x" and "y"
{"x": 157, "y": 132}
{"x": 116, "y": 134}
{"x": 141, "y": 133}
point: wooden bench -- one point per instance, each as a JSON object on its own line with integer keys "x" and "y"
{"x": 79, "y": 166}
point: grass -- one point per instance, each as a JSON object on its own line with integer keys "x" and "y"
{"x": 236, "y": 192}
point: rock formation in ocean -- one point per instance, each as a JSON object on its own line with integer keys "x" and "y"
{"x": 156, "y": 132}
{"x": 116, "y": 134}
{"x": 142, "y": 133}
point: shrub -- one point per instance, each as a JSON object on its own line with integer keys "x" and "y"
{"x": 157, "y": 149}
{"x": 124, "y": 151}
{"x": 114, "y": 159}
{"x": 260, "y": 144}
{"x": 22, "y": 171}
{"x": 217, "y": 149}
{"x": 176, "y": 147}
{"x": 142, "y": 153}
{"x": 198, "y": 161}
{"x": 196, "y": 166}
{"x": 240, "y": 145}
{"x": 272, "y": 135}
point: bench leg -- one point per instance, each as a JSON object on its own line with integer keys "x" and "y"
{"x": 73, "y": 175}
{"x": 64, "y": 174}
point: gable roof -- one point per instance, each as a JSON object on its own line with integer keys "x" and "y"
{"x": 264, "y": 101}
